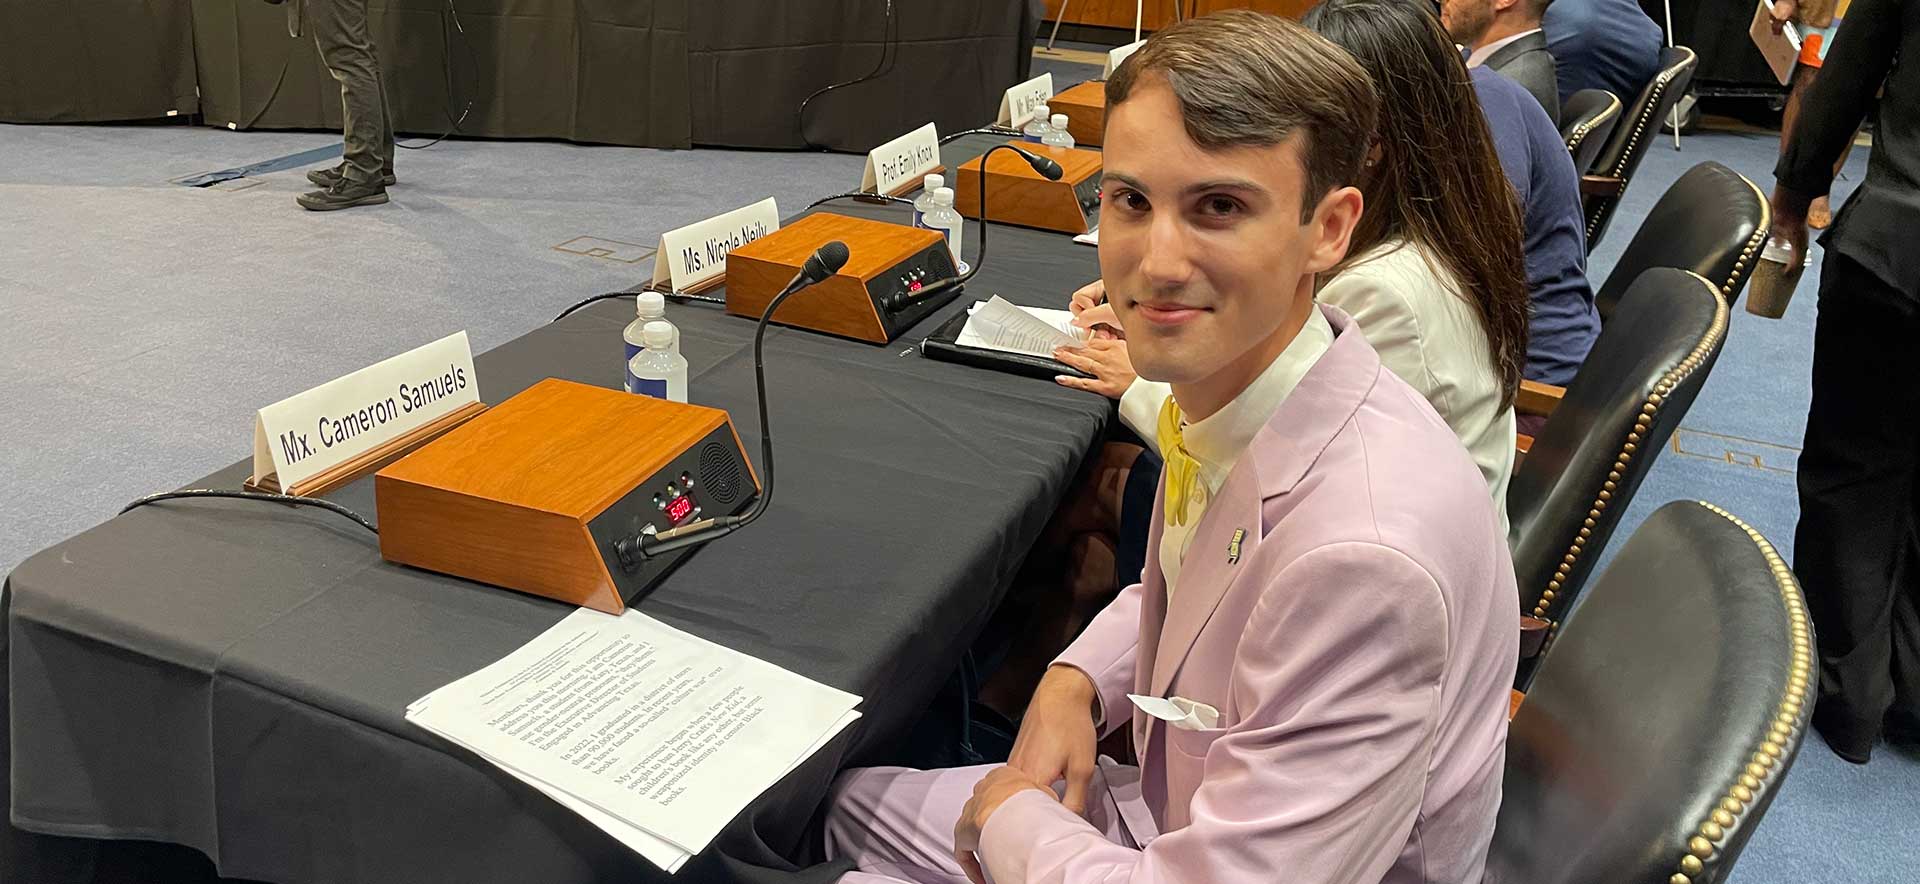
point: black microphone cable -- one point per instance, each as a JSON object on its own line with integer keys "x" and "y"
{"x": 995, "y": 129}
{"x": 824, "y": 263}
{"x": 1046, "y": 166}
{"x": 890, "y": 39}
{"x": 473, "y": 64}
{"x": 268, "y": 497}
{"x": 861, "y": 196}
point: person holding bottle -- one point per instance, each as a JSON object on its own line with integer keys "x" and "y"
{"x": 1857, "y": 547}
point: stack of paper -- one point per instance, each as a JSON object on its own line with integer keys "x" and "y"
{"x": 656, "y": 736}
{"x": 998, "y": 324}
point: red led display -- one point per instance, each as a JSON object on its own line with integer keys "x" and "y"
{"x": 679, "y": 509}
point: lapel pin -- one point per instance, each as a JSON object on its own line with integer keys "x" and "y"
{"x": 1233, "y": 546}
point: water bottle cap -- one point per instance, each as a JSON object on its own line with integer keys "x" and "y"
{"x": 1059, "y": 121}
{"x": 943, "y": 196}
{"x": 932, "y": 183}
{"x": 656, "y": 334}
{"x": 650, "y": 304}
{"x": 1042, "y": 113}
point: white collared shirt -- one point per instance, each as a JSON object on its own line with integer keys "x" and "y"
{"x": 1217, "y": 441}
{"x": 1480, "y": 56}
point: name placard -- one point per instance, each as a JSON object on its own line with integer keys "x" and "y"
{"x": 1118, "y": 55}
{"x": 1016, "y": 107}
{"x": 695, "y": 256}
{"x": 348, "y": 424}
{"x": 897, "y": 166}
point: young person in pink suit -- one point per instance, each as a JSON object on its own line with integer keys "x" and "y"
{"x": 1327, "y": 624}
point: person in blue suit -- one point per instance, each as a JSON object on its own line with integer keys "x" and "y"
{"x": 1602, "y": 44}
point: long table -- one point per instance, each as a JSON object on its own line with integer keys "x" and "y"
{"x": 232, "y": 676}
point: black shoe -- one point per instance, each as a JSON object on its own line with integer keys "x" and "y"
{"x": 343, "y": 194}
{"x": 1902, "y": 729}
{"x": 1843, "y": 738}
{"x": 325, "y": 178}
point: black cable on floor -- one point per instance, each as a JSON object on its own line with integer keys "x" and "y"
{"x": 288, "y": 499}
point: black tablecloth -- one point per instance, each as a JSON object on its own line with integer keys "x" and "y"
{"x": 232, "y": 676}
{"x": 652, "y": 73}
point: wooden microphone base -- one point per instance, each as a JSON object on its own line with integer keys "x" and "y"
{"x": 539, "y": 493}
{"x": 1016, "y": 194}
{"x": 871, "y": 299}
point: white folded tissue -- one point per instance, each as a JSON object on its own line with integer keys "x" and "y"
{"x": 1185, "y": 714}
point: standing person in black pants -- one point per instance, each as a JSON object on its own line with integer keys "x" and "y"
{"x": 340, "y": 31}
{"x": 1857, "y": 551}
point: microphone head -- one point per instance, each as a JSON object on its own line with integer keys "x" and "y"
{"x": 1044, "y": 165}
{"x": 833, "y": 256}
{"x": 825, "y": 261}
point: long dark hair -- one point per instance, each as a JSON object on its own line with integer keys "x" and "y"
{"x": 1437, "y": 182}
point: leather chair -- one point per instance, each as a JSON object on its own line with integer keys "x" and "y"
{"x": 1587, "y": 119}
{"x": 1712, "y": 221}
{"x": 1665, "y": 716}
{"x": 1601, "y": 435}
{"x": 1621, "y": 155}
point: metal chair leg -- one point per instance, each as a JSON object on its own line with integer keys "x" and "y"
{"x": 1056, "y": 25}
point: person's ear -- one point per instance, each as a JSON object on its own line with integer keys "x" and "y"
{"x": 1504, "y": 5}
{"x": 1331, "y": 229}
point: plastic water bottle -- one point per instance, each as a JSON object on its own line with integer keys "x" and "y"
{"x": 943, "y": 218}
{"x": 1057, "y": 134}
{"x": 924, "y": 201}
{"x": 658, "y": 370}
{"x": 1773, "y": 282}
{"x": 648, "y": 307}
{"x": 1036, "y": 128}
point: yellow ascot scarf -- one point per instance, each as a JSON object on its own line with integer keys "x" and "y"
{"x": 1182, "y": 470}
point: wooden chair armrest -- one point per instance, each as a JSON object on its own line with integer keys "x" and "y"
{"x": 1513, "y": 704}
{"x": 1538, "y": 398}
{"x": 1601, "y": 185}
{"x": 1522, "y": 443}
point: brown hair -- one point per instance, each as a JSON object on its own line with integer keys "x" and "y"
{"x": 1247, "y": 78}
{"x": 1437, "y": 183}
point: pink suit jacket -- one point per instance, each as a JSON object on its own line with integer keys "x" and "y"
{"x": 1348, "y": 605}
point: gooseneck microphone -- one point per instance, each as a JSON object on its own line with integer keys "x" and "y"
{"x": 1047, "y": 168}
{"x": 825, "y": 262}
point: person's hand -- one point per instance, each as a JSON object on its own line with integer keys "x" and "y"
{"x": 992, "y": 791}
{"x": 1104, "y": 358}
{"x": 1091, "y": 311}
{"x": 1782, "y": 13}
{"x": 1057, "y": 738}
{"x": 1790, "y": 222}
{"x": 1101, "y": 320}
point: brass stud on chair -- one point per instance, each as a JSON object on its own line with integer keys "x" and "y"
{"x": 1691, "y": 865}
